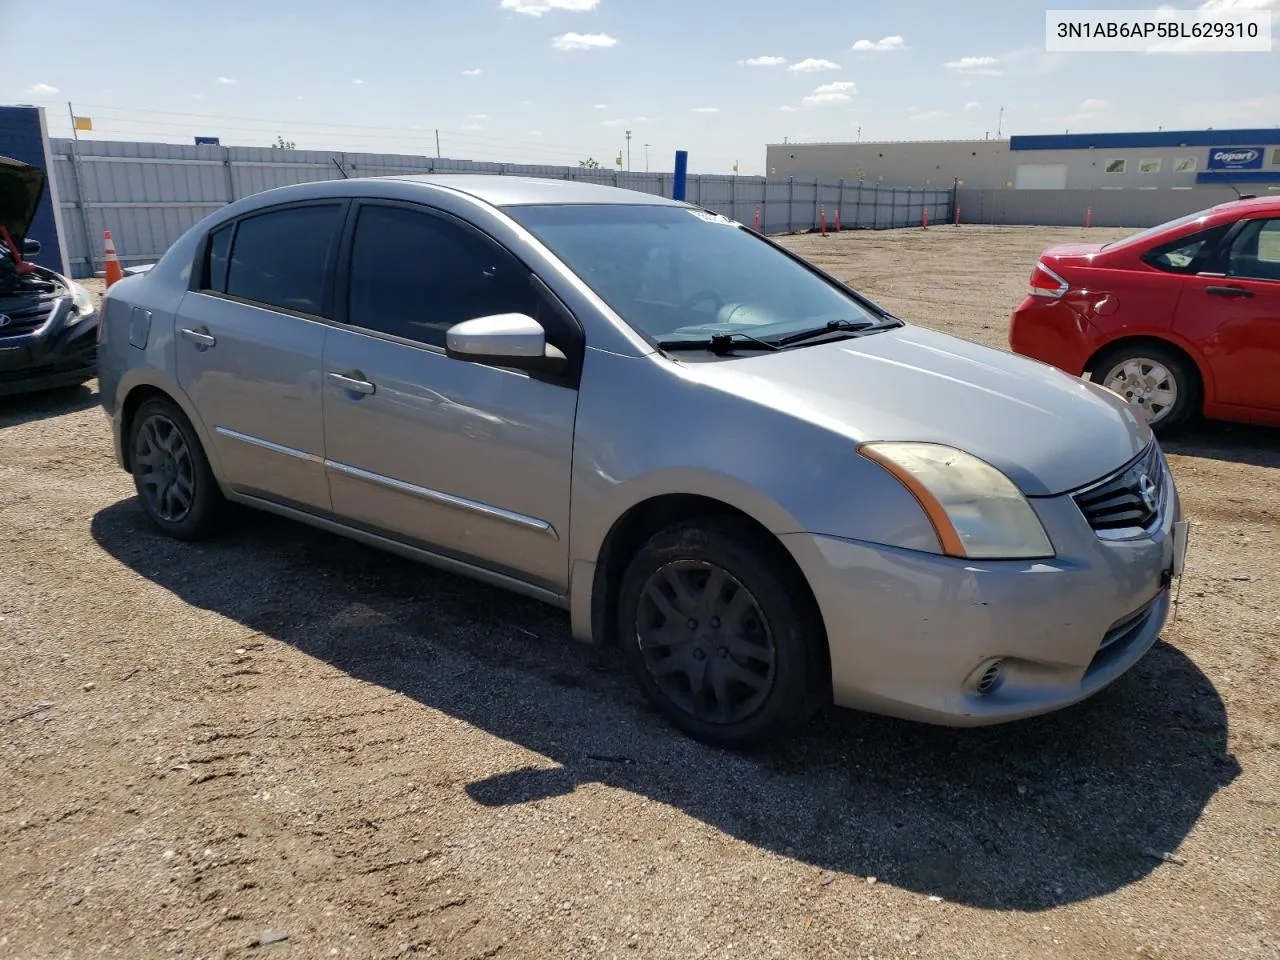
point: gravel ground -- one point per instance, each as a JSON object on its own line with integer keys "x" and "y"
{"x": 281, "y": 743}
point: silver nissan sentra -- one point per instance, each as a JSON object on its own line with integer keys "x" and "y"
{"x": 767, "y": 490}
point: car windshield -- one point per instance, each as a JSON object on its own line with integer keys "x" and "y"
{"x": 1142, "y": 235}
{"x": 678, "y": 273}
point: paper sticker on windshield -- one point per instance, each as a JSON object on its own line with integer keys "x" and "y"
{"x": 710, "y": 217}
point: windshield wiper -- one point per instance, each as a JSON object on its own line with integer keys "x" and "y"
{"x": 720, "y": 343}
{"x": 831, "y": 326}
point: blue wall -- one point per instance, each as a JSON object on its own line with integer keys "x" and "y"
{"x": 22, "y": 139}
{"x": 1162, "y": 138}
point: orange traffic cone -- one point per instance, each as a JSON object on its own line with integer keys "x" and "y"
{"x": 114, "y": 272}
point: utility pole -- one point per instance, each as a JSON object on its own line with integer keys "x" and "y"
{"x": 1000, "y": 122}
{"x": 628, "y": 151}
{"x": 75, "y": 134}
{"x": 437, "y": 144}
{"x": 646, "y": 158}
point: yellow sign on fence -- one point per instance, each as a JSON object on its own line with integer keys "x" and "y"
{"x": 83, "y": 123}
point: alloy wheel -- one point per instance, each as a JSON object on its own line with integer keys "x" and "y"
{"x": 164, "y": 469}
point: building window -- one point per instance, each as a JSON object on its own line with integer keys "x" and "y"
{"x": 1149, "y": 166}
{"x": 1275, "y": 157}
{"x": 1114, "y": 166}
{"x": 1184, "y": 165}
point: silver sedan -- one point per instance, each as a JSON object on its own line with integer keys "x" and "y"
{"x": 766, "y": 489}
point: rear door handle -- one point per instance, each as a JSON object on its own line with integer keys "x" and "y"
{"x": 1229, "y": 291}
{"x": 199, "y": 336}
{"x": 354, "y": 384}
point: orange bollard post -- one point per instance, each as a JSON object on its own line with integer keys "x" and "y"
{"x": 1088, "y": 217}
{"x": 837, "y": 219}
{"x": 957, "y": 214}
{"x": 822, "y": 220}
{"x": 112, "y": 262}
{"x": 756, "y": 223}
{"x": 924, "y": 218}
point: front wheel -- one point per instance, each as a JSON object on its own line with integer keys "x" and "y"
{"x": 171, "y": 473}
{"x": 1160, "y": 385}
{"x": 721, "y": 636}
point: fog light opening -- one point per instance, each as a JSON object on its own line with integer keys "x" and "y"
{"x": 989, "y": 678}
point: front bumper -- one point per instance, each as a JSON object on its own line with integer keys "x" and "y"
{"x": 58, "y": 354}
{"x": 911, "y": 633}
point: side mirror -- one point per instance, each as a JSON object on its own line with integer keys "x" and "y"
{"x": 504, "y": 340}
{"x": 30, "y": 248}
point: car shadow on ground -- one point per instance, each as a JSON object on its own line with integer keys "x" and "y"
{"x": 23, "y": 408}
{"x": 1231, "y": 442}
{"x": 1021, "y": 817}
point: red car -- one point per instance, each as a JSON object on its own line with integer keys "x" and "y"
{"x": 1182, "y": 319}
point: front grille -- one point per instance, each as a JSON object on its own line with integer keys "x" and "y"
{"x": 27, "y": 316}
{"x": 1130, "y": 499}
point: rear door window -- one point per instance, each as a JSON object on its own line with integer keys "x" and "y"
{"x": 1255, "y": 252}
{"x": 281, "y": 259}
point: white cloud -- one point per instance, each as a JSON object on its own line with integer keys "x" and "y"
{"x": 621, "y": 122}
{"x": 786, "y": 108}
{"x": 706, "y": 109}
{"x": 533, "y": 133}
{"x": 358, "y": 82}
{"x": 474, "y": 126}
{"x": 880, "y": 46}
{"x": 971, "y": 106}
{"x": 1095, "y": 106}
{"x": 813, "y": 65}
{"x": 974, "y": 66}
{"x": 299, "y": 97}
{"x": 478, "y": 116}
{"x": 600, "y": 106}
{"x": 226, "y": 81}
{"x": 536, "y": 8}
{"x": 1240, "y": 5}
{"x": 926, "y": 115}
{"x": 841, "y": 91}
{"x": 583, "y": 41}
{"x": 763, "y": 61}
{"x": 42, "y": 88}
{"x": 525, "y": 103}
{"x": 474, "y": 72}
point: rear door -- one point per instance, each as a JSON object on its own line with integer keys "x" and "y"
{"x": 249, "y": 344}
{"x": 471, "y": 461}
{"x": 1233, "y": 313}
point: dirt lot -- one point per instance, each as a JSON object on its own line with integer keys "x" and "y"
{"x": 283, "y": 744}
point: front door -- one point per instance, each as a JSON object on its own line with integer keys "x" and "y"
{"x": 468, "y": 460}
{"x": 249, "y": 344}
{"x": 1235, "y": 314}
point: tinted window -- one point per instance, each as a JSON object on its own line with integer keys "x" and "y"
{"x": 1186, "y": 253}
{"x": 215, "y": 277}
{"x": 415, "y": 275}
{"x": 676, "y": 273}
{"x": 1255, "y": 253}
{"x": 281, "y": 259}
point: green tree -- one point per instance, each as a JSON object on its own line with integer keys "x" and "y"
{"x": 589, "y": 164}
{"x": 283, "y": 144}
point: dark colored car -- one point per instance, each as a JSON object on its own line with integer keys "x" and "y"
{"x": 1181, "y": 319}
{"x": 48, "y": 323}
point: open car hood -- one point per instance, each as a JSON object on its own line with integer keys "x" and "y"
{"x": 21, "y": 187}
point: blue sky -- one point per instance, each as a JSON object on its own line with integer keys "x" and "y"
{"x": 555, "y": 81}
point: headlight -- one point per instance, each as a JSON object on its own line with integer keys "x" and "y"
{"x": 81, "y": 301}
{"x": 975, "y": 509}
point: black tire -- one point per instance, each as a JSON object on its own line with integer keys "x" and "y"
{"x": 1181, "y": 372}
{"x": 721, "y": 706}
{"x": 158, "y": 422}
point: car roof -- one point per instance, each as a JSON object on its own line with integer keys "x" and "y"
{"x": 507, "y": 191}
{"x": 1251, "y": 205}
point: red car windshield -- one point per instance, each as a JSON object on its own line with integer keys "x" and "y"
{"x": 1150, "y": 232}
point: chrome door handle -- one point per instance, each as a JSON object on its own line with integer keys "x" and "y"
{"x": 199, "y": 336}
{"x": 353, "y": 384}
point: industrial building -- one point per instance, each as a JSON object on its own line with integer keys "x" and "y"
{"x": 1164, "y": 160}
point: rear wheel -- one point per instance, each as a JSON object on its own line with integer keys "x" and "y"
{"x": 720, "y": 635}
{"x": 1160, "y": 384}
{"x": 171, "y": 473}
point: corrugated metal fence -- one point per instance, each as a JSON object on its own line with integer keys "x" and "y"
{"x": 148, "y": 194}
{"x": 1077, "y": 208}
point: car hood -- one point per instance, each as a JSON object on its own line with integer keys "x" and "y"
{"x": 1048, "y": 431}
{"x": 21, "y": 187}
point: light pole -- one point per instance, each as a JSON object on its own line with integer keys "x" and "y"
{"x": 646, "y": 158}
{"x": 628, "y": 151}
